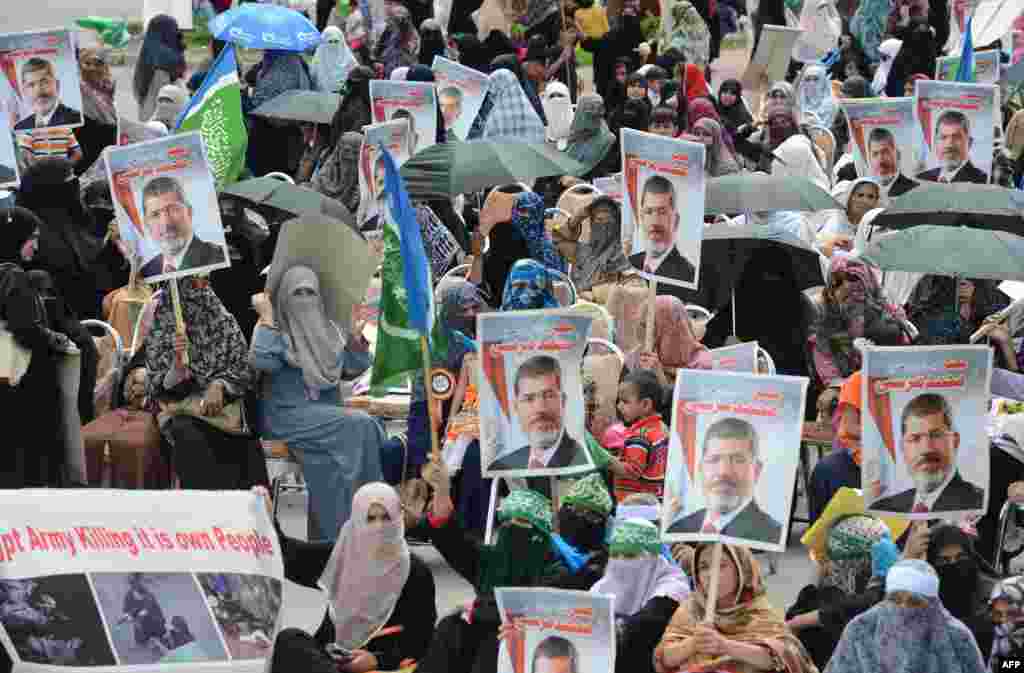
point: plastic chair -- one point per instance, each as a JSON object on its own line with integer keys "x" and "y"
{"x": 603, "y": 363}
{"x": 460, "y": 271}
{"x": 120, "y": 359}
{"x": 283, "y": 177}
{"x": 769, "y": 363}
{"x": 563, "y": 282}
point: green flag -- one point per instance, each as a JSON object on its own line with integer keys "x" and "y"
{"x": 216, "y": 112}
{"x": 398, "y": 345}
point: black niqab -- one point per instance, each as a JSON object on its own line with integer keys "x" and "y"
{"x": 162, "y": 49}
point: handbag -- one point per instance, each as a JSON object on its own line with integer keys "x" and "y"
{"x": 14, "y": 358}
{"x": 228, "y": 420}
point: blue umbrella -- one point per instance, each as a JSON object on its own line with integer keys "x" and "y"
{"x": 256, "y": 25}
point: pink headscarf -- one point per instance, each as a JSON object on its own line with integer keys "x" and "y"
{"x": 368, "y": 568}
{"x": 674, "y": 340}
{"x": 701, "y": 108}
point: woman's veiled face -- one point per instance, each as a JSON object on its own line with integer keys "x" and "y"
{"x": 29, "y": 247}
{"x": 950, "y": 554}
{"x": 703, "y": 135}
{"x": 377, "y": 515}
{"x": 863, "y": 199}
{"x": 727, "y": 98}
{"x": 304, "y": 292}
{"x": 728, "y": 577}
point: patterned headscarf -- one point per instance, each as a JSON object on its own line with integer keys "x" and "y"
{"x": 589, "y": 493}
{"x": 338, "y": 175}
{"x": 216, "y": 347}
{"x": 529, "y": 506}
{"x": 528, "y": 221}
{"x": 868, "y": 26}
{"x": 645, "y": 574}
{"x": 603, "y": 252}
{"x": 512, "y": 117}
{"x": 848, "y": 548}
{"x": 440, "y": 243}
{"x": 634, "y": 537}
{"x": 1009, "y": 634}
{"x": 589, "y": 136}
{"x": 529, "y": 286}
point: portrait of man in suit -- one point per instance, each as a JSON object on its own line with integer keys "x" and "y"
{"x": 539, "y": 405}
{"x": 40, "y": 86}
{"x": 952, "y": 145}
{"x": 414, "y": 138}
{"x": 930, "y": 443}
{"x": 884, "y": 162}
{"x": 730, "y": 467}
{"x": 659, "y": 220}
{"x": 555, "y": 654}
{"x": 167, "y": 214}
{"x": 450, "y": 100}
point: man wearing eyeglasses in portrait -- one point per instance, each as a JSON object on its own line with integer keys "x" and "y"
{"x": 659, "y": 221}
{"x": 539, "y": 404}
{"x": 930, "y": 443}
{"x": 167, "y": 215}
{"x": 730, "y": 467}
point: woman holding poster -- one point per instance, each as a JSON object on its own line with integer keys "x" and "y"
{"x": 747, "y": 634}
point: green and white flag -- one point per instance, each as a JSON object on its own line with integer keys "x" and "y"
{"x": 216, "y": 112}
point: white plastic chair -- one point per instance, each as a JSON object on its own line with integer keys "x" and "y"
{"x": 769, "y": 363}
{"x": 283, "y": 177}
{"x": 562, "y": 280}
{"x": 604, "y": 343}
{"x": 460, "y": 271}
{"x": 120, "y": 360}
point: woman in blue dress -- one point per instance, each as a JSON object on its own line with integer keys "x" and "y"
{"x": 303, "y": 356}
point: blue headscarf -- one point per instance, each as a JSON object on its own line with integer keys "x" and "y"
{"x": 529, "y": 286}
{"x": 528, "y": 221}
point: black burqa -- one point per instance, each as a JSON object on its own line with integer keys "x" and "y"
{"x": 29, "y": 412}
{"x": 769, "y": 13}
{"x": 162, "y": 49}
{"x": 964, "y": 586}
{"x": 354, "y": 110}
{"x": 770, "y": 308}
{"x": 68, "y": 242}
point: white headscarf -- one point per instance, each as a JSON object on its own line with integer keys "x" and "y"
{"x": 314, "y": 343}
{"x": 399, "y": 74}
{"x": 558, "y": 109}
{"x": 817, "y": 105}
{"x": 888, "y": 49}
{"x": 333, "y": 61}
{"x": 368, "y": 568}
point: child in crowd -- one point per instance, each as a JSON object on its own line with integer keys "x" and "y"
{"x": 663, "y": 122}
{"x": 645, "y": 450}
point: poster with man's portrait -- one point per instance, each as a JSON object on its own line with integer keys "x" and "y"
{"x": 555, "y": 631}
{"x": 532, "y": 415}
{"x": 413, "y": 101}
{"x": 957, "y": 123}
{"x": 924, "y": 438}
{"x": 732, "y": 458}
{"x": 165, "y": 201}
{"x": 394, "y": 135}
{"x": 460, "y": 93}
{"x": 41, "y": 72}
{"x": 883, "y": 136}
{"x": 664, "y": 196}
{"x": 736, "y": 358}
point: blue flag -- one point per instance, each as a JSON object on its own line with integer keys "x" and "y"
{"x": 415, "y": 266}
{"x": 965, "y": 72}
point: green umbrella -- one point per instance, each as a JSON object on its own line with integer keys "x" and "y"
{"x": 949, "y": 251}
{"x": 315, "y": 107}
{"x": 956, "y": 204}
{"x": 298, "y": 201}
{"x": 452, "y": 168}
{"x": 758, "y": 193}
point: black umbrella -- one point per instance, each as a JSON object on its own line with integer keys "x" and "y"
{"x": 956, "y": 205}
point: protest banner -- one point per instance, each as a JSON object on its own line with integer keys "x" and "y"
{"x": 460, "y": 93}
{"x": 736, "y": 358}
{"x": 924, "y": 438}
{"x": 166, "y": 206}
{"x": 732, "y": 458}
{"x": 394, "y": 135}
{"x": 92, "y": 578}
{"x": 555, "y": 630}
{"x": 986, "y": 67}
{"x": 390, "y": 100}
{"x": 532, "y": 417}
{"x": 771, "y": 60}
{"x": 42, "y": 74}
{"x": 8, "y": 159}
{"x": 884, "y": 134}
{"x": 957, "y": 123}
{"x": 664, "y": 194}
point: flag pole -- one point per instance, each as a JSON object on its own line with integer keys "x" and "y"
{"x": 435, "y": 452}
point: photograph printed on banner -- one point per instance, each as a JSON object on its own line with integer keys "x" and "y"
{"x": 884, "y": 136}
{"x": 394, "y": 135}
{"x": 957, "y": 121}
{"x": 460, "y": 93}
{"x": 246, "y": 609}
{"x": 986, "y": 67}
{"x": 555, "y": 631}
{"x": 664, "y": 195}
{"x": 41, "y": 87}
{"x": 9, "y": 174}
{"x": 157, "y": 618}
{"x": 531, "y": 393}
{"x": 732, "y": 458}
{"x": 53, "y": 620}
{"x": 736, "y": 358}
{"x": 390, "y": 100}
{"x": 166, "y": 206}
{"x": 924, "y": 434}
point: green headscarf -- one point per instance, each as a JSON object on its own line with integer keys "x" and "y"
{"x": 634, "y": 537}
{"x": 519, "y": 555}
{"x": 589, "y": 493}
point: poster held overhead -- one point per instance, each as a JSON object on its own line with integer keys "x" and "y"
{"x": 884, "y": 136}
{"x": 957, "y": 122}
{"x": 415, "y": 101}
{"x": 42, "y": 73}
{"x": 924, "y": 429}
{"x": 166, "y": 206}
{"x": 733, "y": 454}
{"x": 531, "y": 393}
{"x": 394, "y": 135}
{"x": 771, "y": 60}
{"x": 460, "y": 93}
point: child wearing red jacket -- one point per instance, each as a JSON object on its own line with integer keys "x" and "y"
{"x": 645, "y": 450}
